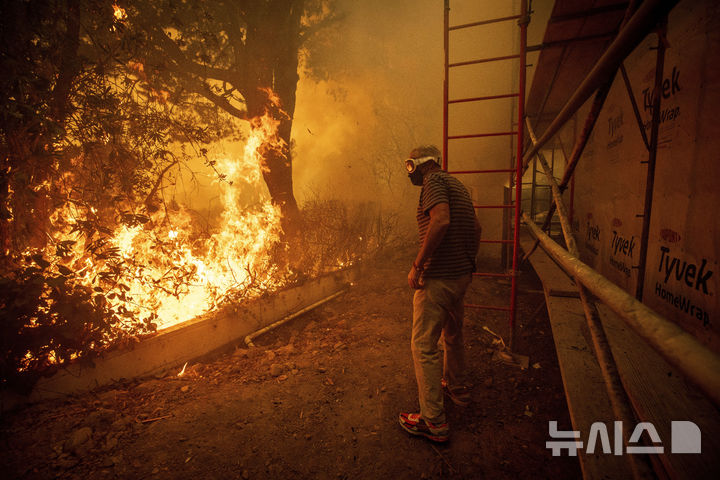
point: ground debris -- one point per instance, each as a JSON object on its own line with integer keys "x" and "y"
{"x": 317, "y": 398}
{"x": 285, "y": 350}
{"x": 276, "y": 369}
{"x": 110, "y": 443}
{"x": 240, "y": 353}
{"x": 79, "y": 441}
{"x": 102, "y": 417}
{"x": 122, "y": 423}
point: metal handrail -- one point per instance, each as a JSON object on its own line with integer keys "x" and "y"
{"x": 697, "y": 362}
{"x": 641, "y": 23}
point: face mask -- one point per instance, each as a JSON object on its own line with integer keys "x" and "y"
{"x": 412, "y": 164}
{"x": 416, "y": 177}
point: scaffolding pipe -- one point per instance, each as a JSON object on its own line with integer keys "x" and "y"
{"x": 483, "y": 22}
{"x": 446, "y": 81}
{"x": 582, "y": 139}
{"x": 590, "y": 120}
{"x": 652, "y": 156}
{"x": 556, "y": 195}
{"x": 480, "y": 99}
{"x": 634, "y": 104}
{"x": 619, "y": 401}
{"x": 578, "y": 148}
{"x": 639, "y": 25}
{"x": 483, "y": 60}
{"x": 523, "y": 23}
{"x": 532, "y": 190}
{"x": 698, "y": 363}
{"x": 572, "y": 180}
{"x": 608, "y": 368}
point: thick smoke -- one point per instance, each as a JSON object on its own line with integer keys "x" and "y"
{"x": 378, "y": 93}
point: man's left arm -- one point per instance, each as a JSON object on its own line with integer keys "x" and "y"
{"x": 439, "y": 223}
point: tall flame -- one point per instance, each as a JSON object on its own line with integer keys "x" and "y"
{"x": 171, "y": 276}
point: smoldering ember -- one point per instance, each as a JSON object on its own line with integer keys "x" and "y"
{"x": 329, "y": 239}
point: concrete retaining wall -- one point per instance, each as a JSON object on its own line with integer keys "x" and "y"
{"x": 173, "y": 347}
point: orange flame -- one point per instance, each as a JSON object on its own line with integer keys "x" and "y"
{"x": 172, "y": 276}
{"x": 119, "y": 13}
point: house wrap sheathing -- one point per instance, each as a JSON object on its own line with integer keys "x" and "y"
{"x": 682, "y": 281}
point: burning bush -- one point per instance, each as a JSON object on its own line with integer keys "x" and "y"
{"x": 106, "y": 273}
{"x": 97, "y": 123}
{"x": 47, "y": 320}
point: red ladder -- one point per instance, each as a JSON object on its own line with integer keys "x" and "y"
{"x": 516, "y": 162}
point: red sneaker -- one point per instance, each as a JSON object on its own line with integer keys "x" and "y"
{"x": 460, "y": 396}
{"x": 414, "y": 424}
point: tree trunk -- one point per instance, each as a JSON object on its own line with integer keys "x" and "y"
{"x": 265, "y": 39}
{"x": 275, "y": 67}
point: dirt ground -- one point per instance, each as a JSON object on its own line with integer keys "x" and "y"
{"x": 317, "y": 398}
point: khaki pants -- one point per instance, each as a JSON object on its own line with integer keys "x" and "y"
{"x": 438, "y": 309}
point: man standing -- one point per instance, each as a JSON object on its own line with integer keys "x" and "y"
{"x": 440, "y": 275}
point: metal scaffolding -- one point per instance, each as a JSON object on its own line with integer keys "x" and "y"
{"x": 515, "y": 168}
{"x": 679, "y": 348}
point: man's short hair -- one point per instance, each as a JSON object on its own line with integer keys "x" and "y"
{"x": 426, "y": 151}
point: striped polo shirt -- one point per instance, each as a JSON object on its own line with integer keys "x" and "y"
{"x": 455, "y": 256}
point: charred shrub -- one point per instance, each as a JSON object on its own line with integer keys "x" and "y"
{"x": 47, "y": 320}
{"x": 337, "y": 234}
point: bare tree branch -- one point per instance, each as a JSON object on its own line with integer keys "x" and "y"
{"x": 194, "y": 85}
{"x": 201, "y": 88}
{"x": 154, "y": 190}
{"x": 184, "y": 63}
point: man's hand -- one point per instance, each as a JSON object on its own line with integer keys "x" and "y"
{"x": 414, "y": 278}
{"x": 439, "y": 223}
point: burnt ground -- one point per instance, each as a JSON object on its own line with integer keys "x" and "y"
{"x": 318, "y": 398}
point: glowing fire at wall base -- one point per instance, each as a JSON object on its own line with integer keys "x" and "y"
{"x": 170, "y": 349}
{"x": 172, "y": 274}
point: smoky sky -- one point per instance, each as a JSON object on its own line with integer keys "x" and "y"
{"x": 374, "y": 90}
{"x": 382, "y": 95}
